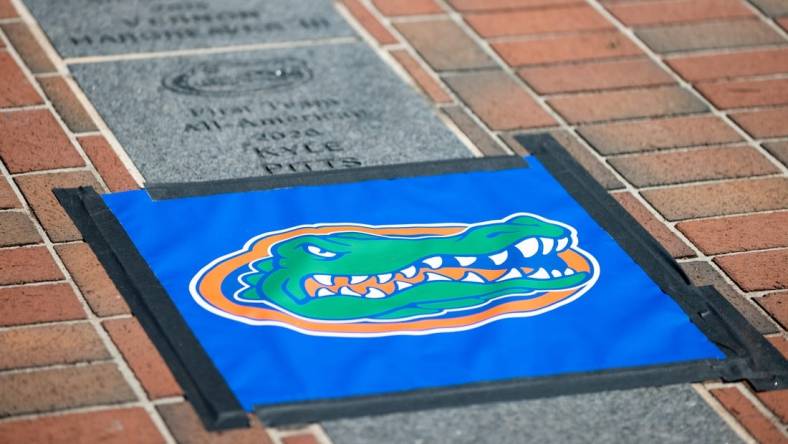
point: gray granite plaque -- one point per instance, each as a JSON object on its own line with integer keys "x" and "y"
{"x": 102, "y": 27}
{"x": 274, "y": 111}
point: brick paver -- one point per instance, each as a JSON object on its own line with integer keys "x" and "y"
{"x": 28, "y": 48}
{"x": 7, "y": 10}
{"x": 495, "y": 5}
{"x": 596, "y": 46}
{"x": 747, "y": 414}
{"x": 742, "y": 63}
{"x": 187, "y": 428}
{"x": 779, "y": 150}
{"x": 107, "y": 163}
{"x": 708, "y": 35}
{"x": 444, "y": 45}
{"x": 677, "y": 11}
{"x": 39, "y": 303}
{"x": 33, "y": 141}
{"x": 407, "y": 7}
{"x": 15, "y": 90}
{"x": 93, "y": 282}
{"x": 763, "y": 123}
{"x": 49, "y": 345}
{"x": 429, "y": 85}
{"x": 369, "y": 22}
{"x": 65, "y": 102}
{"x": 18, "y": 229}
{"x": 583, "y": 77}
{"x": 738, "y": 233}
{"x": 27, "y": 264}
{"x": 746, "y": 93}
{"x": 777, "y": 306}
{"x": 675, "y": 246}
{"x": 537, "y": 21}
{"x": 757, "y": 270}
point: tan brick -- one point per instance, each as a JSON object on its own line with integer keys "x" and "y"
{"x": 27, "y": 264}
{"x": 33, "y": 141}
{"x": 738, "y": 233}
{"x": 66, "y": 104}
{"x": 369, "y": 22}
{"x": 92, "y": 280}
{"x": 143, "y": 358}
{"x": 783, "y": 22}
{"x": 745, "y": 93}
{"x": 32, "y": 304}
{"x": 595, "y": 76}
{"x": 776, "y": 304}
{"x": 779, "y": 150}
{"x": 109, "y": 166}
{"x": 301, "y": 438}
{"x": 187, "y": 428}
{"x": 443, "y": 45}
{"x": 7, "y": 196}
{"x": 748, "y": 415}
{"x": 492, "y": 5}
{"x": 758, "y": 270}
{"x": 37, "y": 190}
{"x": 37, "y": 61}
{"x": 475, "y": 133}
{"x": 772, "y": 8}
{"x": 499, "y": 101}
{"x": 17, "y": 229}
{"x": 54, "y": 389}
{"x": 49, "y": 345}
{"x": 752, "y": 62}
{"x": 15, "y": 90}
{"x": 677, "y": 11}
{"x": 427, "y": 83}
{"x": 116, "y": 426}
{"x": 708, "y": 35}
{"x": 627, "y": 104}
{"x": 7, "y": 10}
{"x": 675, "y": 246}
{"x": 407, "y": 7}
{"x": 597, "y": 46}
{"x": 572, "y": 18}
{"x": 722, "y": 198}
{"x": 764, "y": 123}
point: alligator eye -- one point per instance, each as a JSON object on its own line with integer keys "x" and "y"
{"x": 317, "y": 251}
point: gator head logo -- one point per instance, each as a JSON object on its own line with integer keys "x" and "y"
{"x": 360, "y": 280}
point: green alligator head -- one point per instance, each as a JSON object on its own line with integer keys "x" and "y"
{"x": 361, "y": 276}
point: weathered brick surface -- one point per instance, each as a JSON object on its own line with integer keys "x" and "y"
{"x": 499, "y": 101}
{"x": 677, "y": 11}
{"x": 27, "y": 264}
{"x": 15, "y": 90}
{"x": 92, "y": 280}
{"x": 572, "y": 18}
{"x": 748, "y": 415}
{"x": 738, "y": 233}
{"x": 407, "y": 7}
{"x": 7, "y": 10}
{"x": 37, "y": 190}
{"x": 143, "y": 358}
{"x": 49, "y": 345}
{"x": 33, "y": 140}
{"x": 627, "y": 104}
{"x": 444, "y": 46}
{"x": 716, "y": 199}
{"x": 777, "y": 306}
{"x": 7, "y": 197}
{"x": 694, "y": 36}
{"x": 427, "y": 83}
{"x": 773, "y": 8}
{"x": 60, "y": 388}
{"x": 66, "y": 104}
{"x": 675, "y": 246}
{"x": 17, "y": 229}
{"x": 595, "y": 76}
{"x": 116, "y": 426}
{"x": 756, "y": 271}
{"x": 780, "y": 343}
{"x": 693, "y": 165}
{"x": 187, "y": 428}
{"x": 28, "y": 48}
{"x": 301, "y": 438}
{"x": 597, "y": 46}
{"x": 32, "y": 304}
{"x": 751, "y": 62}
{"x": 493, "y": 5}
{"x": 779, "y": 150}
{"x": 783, "y": 22}
{"x": 746, "y": 93}
{"x": 480, "y": 138}
{"x": 369, "y": 22}
{"x": 777, "y": 402}
{"x": 763, "y": 123}
{"x": 656, "y": 134}
{"x": 107, "y": 163}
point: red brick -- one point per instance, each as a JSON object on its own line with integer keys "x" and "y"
{"x": 407, "y": 7}
{"x": 103, "y": 157}
{"x": 777, "y": 306}
{"x": 15, "y": 90}
{"x": 23, "y": 265}
{"x": 36, "y": 60}
{"x": 369, "y": 22}
{"x": 37, "y": 190}
{"x": 780, "y": 343}
{"x": 680, "y": 11}
{"x": 648, "y": 135}
{"x": 116, "y": 426}
{"x": 301, "y": 438}
{"x": 94, "y": 283}
{"x": 764, "y": 123}
{"x": 32, "y": 304}
{"x": 708, "y": 35}
{"x": 675, "y": 246}
{"x": 779, "y": 150}
{"x": 66, "y": 104}
{"x": 595, "y": 76}
{"x": 746, "y": 93}
{"x": 748, "y": 415}
{"x": 783, "y": 22}
{"x": 473, "y": 131}
{"x": 722, "y": 198}
{"x": 7, "y": 197}
{"x": 758, "y": 270}
{"x": 18, "y": 229}
{"x": 537, "y": 21}
{"x": 693, "y": 165}
{"x": 737, "y": 64}
{"x": 50, "y": 345}
{"x": 33, "y": 140}
{"x": 603, "y": 45}
{"x": 492, "y": 5}
{"x": 738, "y": 233}
{"x": 444, "y": 46}
{"x": 777, "y": 402}
{"x": 427, "y": 83}
{"x": 499, "y": 101}
{"x": 627, "y": 104}
{"x": 60, "y": 388}
{"x": 143, "y": 358}
{"x": 7, "y": 10}
{"x": 187, "y": 428}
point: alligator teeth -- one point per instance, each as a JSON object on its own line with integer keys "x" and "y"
{"x": 323, "y": 279}
{"x": 562, "y": 244}
{"x": 499, "y": 258}
{"x": 528, "y": 247}
{"x": 512, "y": 274}
{"x": 569, "y": 272}
{"x": 324, "y": 292}
{"x": 556, "y": 274}
{"x": 348, "y": 292}
{"x": 358, "y": 279}
{"x": 547, "y": 244}
{"x": 473, "y": 277}
{"x": 383, "y": 278}
{"x": 434, "y": 262}
{"x": 375, "y": 293}
{"x": 403, "y": 285}
{"x": 436, "y": 277}
{"x": 465, "y": 260}
{"x": 541, "y": 273}
{"x": 409, "y": 272}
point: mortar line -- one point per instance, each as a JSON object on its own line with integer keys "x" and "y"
{"x": 45, "y": 367}
{"x": 762, "y": 409}
{"x": 724, "y": 414}
{"x": 57, "y": 323}
{"x": 72, "y": 410}
{"x": 769, "y": 21}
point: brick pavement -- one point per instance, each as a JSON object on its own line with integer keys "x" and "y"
{"x": 679, "y": 107}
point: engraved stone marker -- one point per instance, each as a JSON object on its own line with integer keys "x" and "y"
{"x": 273, "y": 111}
